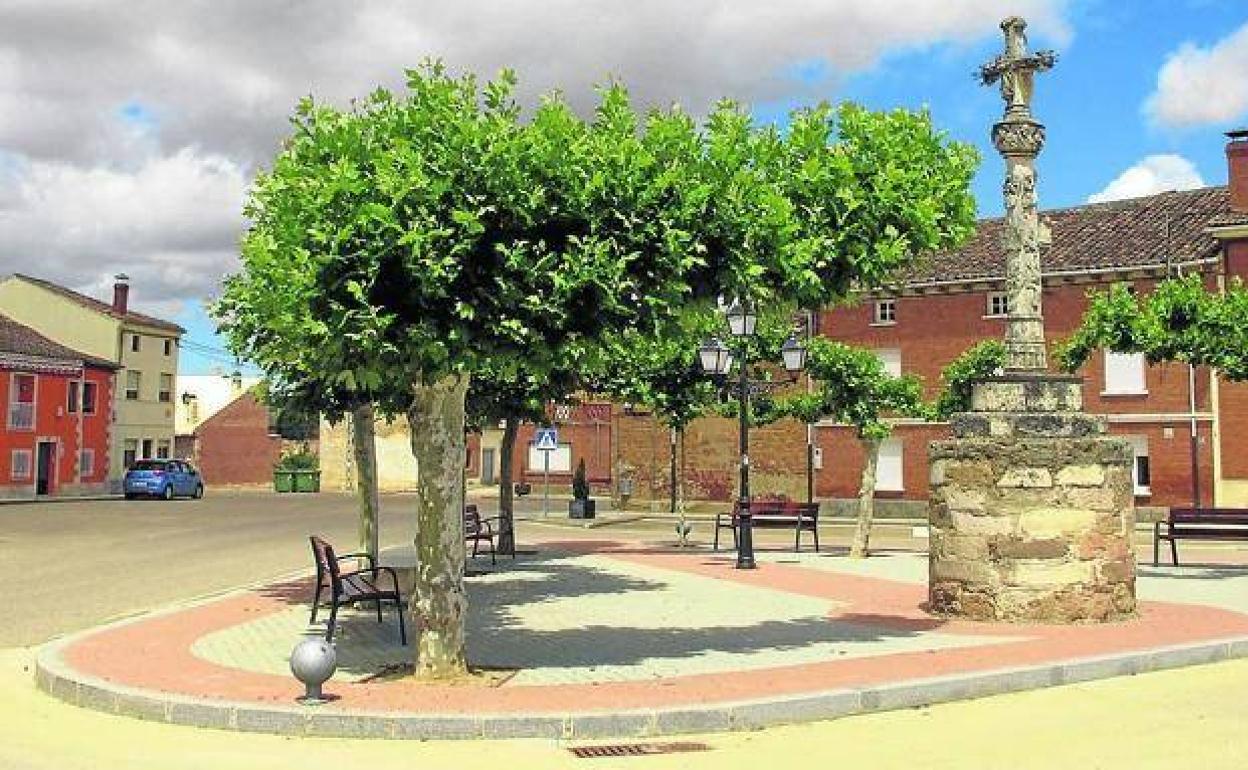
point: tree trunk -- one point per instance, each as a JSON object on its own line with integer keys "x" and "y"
{"x": 436, "y": 417}
{"x": 683, "y": 525}
{"x": 364, "y": 454}
{"x": 506, "y": 493}
{"x": 866, "y": 499}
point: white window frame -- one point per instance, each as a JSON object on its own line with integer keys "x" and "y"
{"x": 136, "y": 343}
{"x": 884, "y": 312}
{"x": 126, "y": 447}
{"x": 29, "y": 456}
{"x": 164, "y": 449}
{"x": 1003, "y": 299}
{"x": 892, "y": 455}
{"x": 1128, "y": 384}
{"x": 891, "y": 359}
{"x": 560, "y": 459}
{"x": 10, "y": 411}
{"x": 86, "y": 463}
{"x": 164, "y": 395}
{"x": 138, "y": 385}
{"x": 1139, "y": 448}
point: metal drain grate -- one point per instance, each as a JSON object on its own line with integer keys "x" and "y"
{"x": 635, "y": 749}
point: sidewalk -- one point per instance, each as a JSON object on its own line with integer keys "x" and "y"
{"x": 593, "y": 638}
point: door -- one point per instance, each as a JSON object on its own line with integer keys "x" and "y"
{"x": 45, "y": 468}
{"x": 487, "y": 466}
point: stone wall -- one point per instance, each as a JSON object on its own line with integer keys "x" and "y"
{"x": 1031, "y": 516}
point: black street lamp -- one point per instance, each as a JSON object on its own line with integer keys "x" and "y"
{"x": 717, "y": 360}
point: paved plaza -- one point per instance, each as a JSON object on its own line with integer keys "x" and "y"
{"x": 598, "y": 637}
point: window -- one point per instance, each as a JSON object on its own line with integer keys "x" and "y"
{"x": 130, "y": 452}
{"x": 147, "y": 449}
{"x": 162, "y": 449}
{"x": 133, "y": 381}
{"x": 88, "y": 397}
{"x": 560, "y": 459}
{"x": 1124, "y": 374}
{"x": 165, "y": 394}
{"x": 998, "y": 304}
{"x": 22, "y": 402}
{"x": 20, "y": 464}
{"x": 86, "y": 463}
{"x": 135, "y": 344}
{"x": 74, "y": 398}
{"x": 885, "y": 311}
{"x": 1141, "y": 472}
{"x": 891, "y": 360}
{"x": 888, "y": 472}
{"x": 168, "y": 347}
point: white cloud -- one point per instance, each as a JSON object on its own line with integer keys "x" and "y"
{"x": 95, "y": 192}
{"x": 1198, "y": 86}
{"x": 1153, "y": 174}
{"x": 171, "y": 223}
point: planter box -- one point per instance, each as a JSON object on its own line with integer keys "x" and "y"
{"x": 283, "y": 481}
{"x": 581, "y": 509}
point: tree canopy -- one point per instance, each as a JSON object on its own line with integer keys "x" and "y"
{"x": 1180, "y": 320}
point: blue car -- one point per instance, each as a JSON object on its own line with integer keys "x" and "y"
{"x": 162, "y": 478}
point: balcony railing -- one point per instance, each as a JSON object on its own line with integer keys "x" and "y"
{"x": 21, "y": 416}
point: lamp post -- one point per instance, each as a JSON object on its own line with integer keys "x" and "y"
{"x": 717, "y": 360}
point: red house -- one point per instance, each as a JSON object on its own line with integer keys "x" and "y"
{"x": 58, "y": 411}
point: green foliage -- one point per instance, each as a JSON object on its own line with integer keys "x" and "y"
{"x": 580, "y": 485}
{"x": 1179, "y": 321}
{"x": 853, "y": 387}
{"x": 975, "y": 364}
{"x": 302, "y": 460}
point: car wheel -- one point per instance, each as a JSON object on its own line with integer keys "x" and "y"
{"x": 168, "y": 493}
{"x": 199, "y": 492}
{"x": 129, "y": 496}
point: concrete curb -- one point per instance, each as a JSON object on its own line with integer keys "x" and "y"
{"x": 58, "y": 679}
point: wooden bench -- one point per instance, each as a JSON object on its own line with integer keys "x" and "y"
{"x": 349, "y": 587}
{"x": 478, "y": 529}
{"x": 802, "y": 517}
{"x": 1198, "y": 524}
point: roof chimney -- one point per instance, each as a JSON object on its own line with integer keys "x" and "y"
{"x": 1237, "y": 168}
{"x": 121, "y": 293}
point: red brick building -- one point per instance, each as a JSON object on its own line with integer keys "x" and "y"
{"x": 239, "y": 444}
{"x": 58, "y": 411}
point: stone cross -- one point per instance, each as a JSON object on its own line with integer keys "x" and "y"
{"x": 1019, "y": 138}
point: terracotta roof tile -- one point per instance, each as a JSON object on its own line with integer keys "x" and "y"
{"x": 24, "y": 341}
{"x": 91, "y": 303}
{"x": 1168, "y": 228}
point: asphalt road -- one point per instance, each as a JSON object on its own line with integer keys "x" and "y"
{"x": 70, "y": 565}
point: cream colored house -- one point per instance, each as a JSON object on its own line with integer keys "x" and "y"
{"x": 145, "y": 348}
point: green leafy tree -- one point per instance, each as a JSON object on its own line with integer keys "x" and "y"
{"x": 852, "y": 386}
{"x": 445, "y": 235}
{"x": 1179, "y": 321}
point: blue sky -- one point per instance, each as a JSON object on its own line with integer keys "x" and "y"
{"x": 129, "y": 134}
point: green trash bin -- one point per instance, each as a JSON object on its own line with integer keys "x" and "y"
{"x": 283, "y": 481}
{"x": 307, "y": 481}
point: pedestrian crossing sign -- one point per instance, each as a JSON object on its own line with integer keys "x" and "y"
{"x": 547, "y": 439}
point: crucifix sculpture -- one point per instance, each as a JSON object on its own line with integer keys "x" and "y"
{"x": 1019, "y": 138}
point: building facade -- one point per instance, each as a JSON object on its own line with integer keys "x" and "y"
{"x": 144, "y": 348}
{"x": 55, "y": 436}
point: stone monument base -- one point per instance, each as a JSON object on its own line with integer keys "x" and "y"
{"x": 1032, "y": 509}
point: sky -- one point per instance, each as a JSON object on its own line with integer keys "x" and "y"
{"x": 130, "y": 131}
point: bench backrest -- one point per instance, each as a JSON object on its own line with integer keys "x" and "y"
{"x": 779, "y": 508}
{"x": 472, "y": 519}
{"x": 1209, "y": 516}
{"x": 326, "y": 563}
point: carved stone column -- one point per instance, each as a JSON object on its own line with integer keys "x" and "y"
{"x": 1032, "y": 508}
